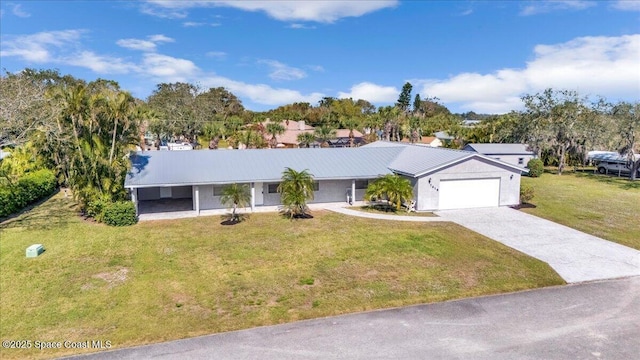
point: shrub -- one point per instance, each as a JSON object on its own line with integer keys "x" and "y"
{"x": 119, "y": 213}
{"x": 526, "y": 193}
{"x": 28, "y": 189}
{"x": 536, "y": 167}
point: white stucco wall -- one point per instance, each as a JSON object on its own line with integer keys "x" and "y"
{"x": 513, "y": 159}
{"x": 427, "y": 194}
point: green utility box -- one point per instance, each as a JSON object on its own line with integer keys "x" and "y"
{"x": 35, "y": 250}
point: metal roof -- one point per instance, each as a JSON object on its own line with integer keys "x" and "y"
{"x": 499, "y": 149}
{"x": 416, "y": 160}
{"x": 155, "y": 168}
{"x": 199, "y": 167}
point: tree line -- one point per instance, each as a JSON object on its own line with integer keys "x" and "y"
{"x": 84, "y": 131}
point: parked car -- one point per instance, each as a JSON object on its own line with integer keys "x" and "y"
{"x": 615, "y": 167}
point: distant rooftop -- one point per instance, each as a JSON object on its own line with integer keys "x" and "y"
{"x": 499, "y": 149}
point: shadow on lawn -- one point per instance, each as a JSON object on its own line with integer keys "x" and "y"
{"x": 52, "y": 211}
{"x": 622, "y": 182}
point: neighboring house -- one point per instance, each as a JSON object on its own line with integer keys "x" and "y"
{"x": 289, "y": 139}
{"x": 515, "y": 154}
{"x": 441, "y": 178}
{"x": 443, "y": 136}
{"x": 426, "y": 141}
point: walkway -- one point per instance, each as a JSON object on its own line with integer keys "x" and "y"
{"x": 574, "y": 255}
{"x": 345, "y": 211}
{"x": 584, "y": 321}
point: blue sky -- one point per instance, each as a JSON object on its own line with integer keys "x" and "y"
{"x": 472, "y": 55}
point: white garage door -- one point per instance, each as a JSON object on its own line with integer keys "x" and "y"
{"x": 464, "y": 194}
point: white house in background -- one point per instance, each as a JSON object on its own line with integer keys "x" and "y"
{"x": 516, "y": 154}
{"x": 441, "y": 178}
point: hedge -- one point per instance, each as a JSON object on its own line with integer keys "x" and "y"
{"x": 119, "y": 213}
{"x": 28, "y": 189}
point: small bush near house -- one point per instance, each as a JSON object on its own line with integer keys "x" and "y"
{"x": 28, "y": 189}
{"x": 536, "y": 167}
{"x": 119, "y": 213}
{"x": 526, "y": 193}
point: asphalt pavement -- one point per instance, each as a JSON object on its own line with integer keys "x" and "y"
{"x": 594, "y": 320}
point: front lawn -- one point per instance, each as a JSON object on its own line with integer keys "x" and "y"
{"x": 164, "y": 280}
{"x": 601, "y": 205}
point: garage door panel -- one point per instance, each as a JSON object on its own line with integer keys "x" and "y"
{"x": 469, "y": 193}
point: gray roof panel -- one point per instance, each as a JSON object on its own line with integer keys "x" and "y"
{"x": 415, "y": 160}
{"x": 199, "y": 167}
{"x": 499, "y": 149}
{"x": 190, "y": 167}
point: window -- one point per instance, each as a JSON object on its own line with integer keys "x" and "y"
{"x": 316, "y": 186}
{"x": 273, "y": 188}
{"x": 218, "y": 190}
{"x": 361, "y": 184}
{"x": 520, "y": 161}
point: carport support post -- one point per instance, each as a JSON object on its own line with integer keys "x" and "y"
{"x": 134, "y": 198}
{"x": 353, "y": 191}
{"x": 253, "y": 196}
{"x": 196, "y": 194}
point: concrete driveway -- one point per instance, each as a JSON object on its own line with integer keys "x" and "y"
{"x": 574, "y": 255}
{"x": 583, "y": 321}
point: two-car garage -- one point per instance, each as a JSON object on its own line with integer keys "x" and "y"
{"x": 469, "y": 193}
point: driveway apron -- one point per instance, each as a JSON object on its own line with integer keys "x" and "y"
{"x": 574, "y": 255}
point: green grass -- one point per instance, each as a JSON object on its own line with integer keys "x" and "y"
{"x": 604, "y": 206}
{"x": 164, "y": 280}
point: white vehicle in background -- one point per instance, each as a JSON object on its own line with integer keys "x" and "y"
{"x": 608, "y": 162}
{"x": 180, "y": 146}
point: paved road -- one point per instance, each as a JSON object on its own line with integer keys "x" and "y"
{"x": 574, "y": 255}
{"x": 582, "y": 321}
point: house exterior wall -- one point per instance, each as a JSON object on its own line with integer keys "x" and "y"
{"x": 207, "y": 200}
{"x": 513, "y": 159}
{"x": 328, "y": 191}
{"x": 427, "y": 193}
{"x": 153, "y": 193}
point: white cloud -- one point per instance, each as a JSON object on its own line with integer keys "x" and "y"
{"x": 317, "y": 68}
{"x": 19, "y": 12}
{"x": 466, "y": 12}
{"x": 137, "y": 44}
{"x": 168, "y": 68}
{"x": 144, "y": 45}
{"x": 627, "y": 5}
{"x": 300, "y": 26}
{"x": 261, "y": 93}
{"x": 280, "y": 71}
{"x": 589, "y": 65}
{"x": 100, "y": 64}
{"x": 284, "y": 10}
{"x": 193, "y": 24}
{"x": 541, "y": 7}
{"x": 216, "y": 54}
{"x": 371, "y": 92}
{"x": 160, "y": 38}
{"x": 39, "y": 47}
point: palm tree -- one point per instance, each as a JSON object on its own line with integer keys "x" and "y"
{"x": 235, "y": 196}
{"x": 305, "y": 139}
{"x": 120, "y": 109}
{"x": 295, "y": 189}
{"x": 394, "y": 188}
{"x": 351, "y": 124}
{"x": 274, "y": 129}
{"x": 325, "y": 133}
